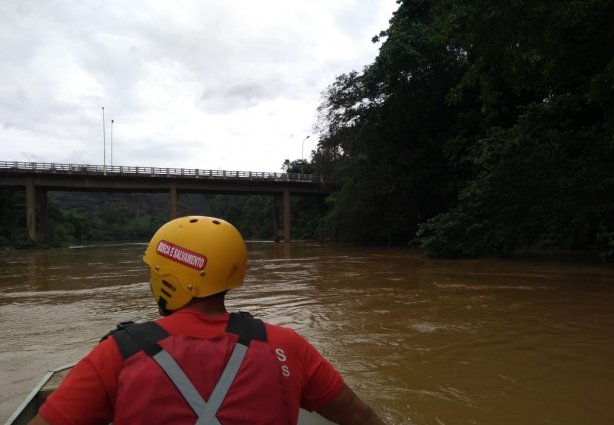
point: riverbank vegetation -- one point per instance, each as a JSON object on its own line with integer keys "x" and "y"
{"x": 481, "y": 128}
{"x": 90, "y": 217}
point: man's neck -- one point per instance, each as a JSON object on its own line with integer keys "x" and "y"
{"x": 209, "y": 306}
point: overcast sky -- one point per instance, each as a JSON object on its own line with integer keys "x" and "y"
{"x": 203, "y": 84}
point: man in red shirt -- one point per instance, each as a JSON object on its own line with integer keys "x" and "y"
{"x": 212, "y": 366}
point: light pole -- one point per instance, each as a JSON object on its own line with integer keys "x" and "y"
{"x": 112, "y": 121}
{"x": 104, "y": 146}
{"x": 302, "y": 156}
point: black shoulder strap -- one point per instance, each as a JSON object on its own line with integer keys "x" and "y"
{"x": 120, "y": 326}
{"x": 132, "y": 338}
{"x": 246, "y": 327}
{"x": 143, "y": 336}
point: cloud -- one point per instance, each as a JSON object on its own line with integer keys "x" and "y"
{"x": 203, "y": 83}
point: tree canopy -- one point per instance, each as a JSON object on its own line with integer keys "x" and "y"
{"x": 482, "y": 127}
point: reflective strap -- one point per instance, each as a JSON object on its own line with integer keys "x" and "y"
{"x": 223, "y": 385}
{"x": 183, "y": 384}
{"x": 204, "y": 411}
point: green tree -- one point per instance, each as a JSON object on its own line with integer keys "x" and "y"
{"x": 13, "y": 230}
{"x": 383, "y": 133}
{"x": 541, "y": 74}
{"x": 488, "y": 122}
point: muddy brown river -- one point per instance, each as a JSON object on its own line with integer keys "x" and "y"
{"x": 423, "y": 341}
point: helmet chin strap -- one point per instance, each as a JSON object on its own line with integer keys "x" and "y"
{"x": 162, "y": 307}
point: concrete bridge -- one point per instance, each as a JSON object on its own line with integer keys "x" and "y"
{"x": 39, "y": 178}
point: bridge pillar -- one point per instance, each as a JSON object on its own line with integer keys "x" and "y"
{"x": 173, "y": 199}
{"x": 36, "y": 212}
{"x": 276, "y": 223}
{"x": 281, "y": 208}
{"x": 43, "y": 214}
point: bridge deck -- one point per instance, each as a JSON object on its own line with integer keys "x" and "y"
{"x": 77, "y": 177}
{"x": 121, "y": 170}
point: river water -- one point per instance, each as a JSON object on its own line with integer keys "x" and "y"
{"x": 423, "y": 341}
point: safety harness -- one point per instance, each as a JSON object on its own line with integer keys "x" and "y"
{"x": 132, "y": 338}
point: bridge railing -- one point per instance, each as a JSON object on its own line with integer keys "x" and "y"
{"x": 110, "y": 170}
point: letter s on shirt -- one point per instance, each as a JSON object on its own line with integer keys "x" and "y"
{"x": 281, "y": 356}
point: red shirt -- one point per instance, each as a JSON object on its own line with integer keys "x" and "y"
{"x": 87, "y": 395}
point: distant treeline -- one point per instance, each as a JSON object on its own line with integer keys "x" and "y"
{"x": 482, "y": 127}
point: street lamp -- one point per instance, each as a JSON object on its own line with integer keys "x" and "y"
{"x": 302, "y": 156}
{"x": 112, "y": 121}
{"x": 104, "y": 146}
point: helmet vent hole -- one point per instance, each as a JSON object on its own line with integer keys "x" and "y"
{"x": 169, "y": 285}
{"x": 216, "y": 222}
{"x": 194, "y": 220}
{"x": 166, "y": 293}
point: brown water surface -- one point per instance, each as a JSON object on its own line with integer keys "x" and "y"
{"x": 423, "y": 341}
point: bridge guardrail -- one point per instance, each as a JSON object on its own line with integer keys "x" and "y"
{"x": 49, "y": 167}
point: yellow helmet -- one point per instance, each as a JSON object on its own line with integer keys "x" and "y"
{"x": 194, "y": 257}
